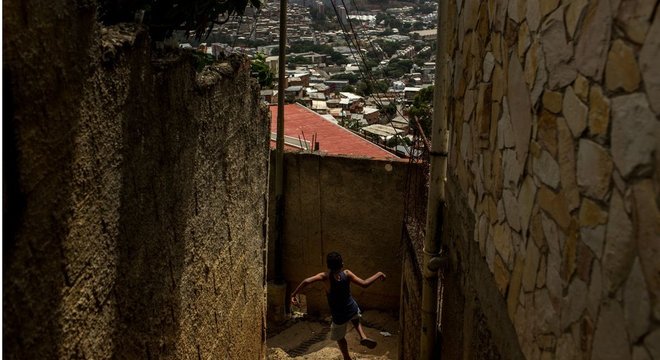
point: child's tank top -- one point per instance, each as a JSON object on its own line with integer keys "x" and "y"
{"x": 342, "y": 305}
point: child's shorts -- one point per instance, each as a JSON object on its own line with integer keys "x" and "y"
{"x": 337, "y": 332}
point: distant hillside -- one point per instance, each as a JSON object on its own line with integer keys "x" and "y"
{"x": 383, "y": 4}
{"x": 377, "y": 4}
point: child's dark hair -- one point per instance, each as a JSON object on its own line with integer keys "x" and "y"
{"x": 334, "y": 261}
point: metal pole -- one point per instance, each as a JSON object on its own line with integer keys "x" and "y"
{"x": 436, "y": 196}
{"x": 279, "y": 150}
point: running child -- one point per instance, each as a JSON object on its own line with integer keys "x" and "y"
{"x": 343, "y": 307}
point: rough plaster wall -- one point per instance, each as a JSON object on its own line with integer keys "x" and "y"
{"x": 554, "y": 147}
{"x": 350, "y": 205}
{"x": 136, "y": 193}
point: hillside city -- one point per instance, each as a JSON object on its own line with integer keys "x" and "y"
{"x": 361, "y": 66}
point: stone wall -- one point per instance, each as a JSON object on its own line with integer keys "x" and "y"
{"x": 135, "y": 195}
{"x": 410, "y": 316}
{"x": 350, "y": 205}
{"x": 555, "y": 148}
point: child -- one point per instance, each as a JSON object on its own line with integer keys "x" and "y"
{"x": 342, "y": 305}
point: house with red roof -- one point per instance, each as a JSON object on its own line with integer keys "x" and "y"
{"x": 306, "y": 130}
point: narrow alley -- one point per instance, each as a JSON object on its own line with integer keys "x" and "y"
{"x": 144, "y": 216}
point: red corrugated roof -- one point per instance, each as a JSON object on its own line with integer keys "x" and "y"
{"x": 332, "y": 138}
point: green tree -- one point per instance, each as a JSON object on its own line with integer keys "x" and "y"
{"x": 349, "y": 88}
{"x": 363, "y": 88}
{"x": 366, "y": 88}
{"x": 422, "y": 109}
{"x": 369, "y": 63}
{"x": 389, "y": 20}
{"x": 389, "y": 47}
{"x": 396, "y": 68}
{"x": 418, "y": 25}
{"x": 261, "y": 71}
{"x": 297, "y": 60}
{"x": 381, "y": 86}
{"x": 338, "y": 58}
{"x": 388, "y": 110}
{"x": 352, "y": 78}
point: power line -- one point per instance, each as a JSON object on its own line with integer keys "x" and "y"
{"x": 419, "y": 128}
{"x": 255, "y": 18}
{"x": 354, "y": 41}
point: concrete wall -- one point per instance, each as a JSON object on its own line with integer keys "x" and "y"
{"x": 350, "y": 205}
{"x": 554, "y": 177}
{"x": 135, "y": 195}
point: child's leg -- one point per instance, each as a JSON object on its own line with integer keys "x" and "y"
{"x": 343, "y": 347}
{"x": 364, "y": 340}
{"x": 358, "y": 326}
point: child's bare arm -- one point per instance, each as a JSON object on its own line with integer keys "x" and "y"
{"x": 365, "y": 283}
{"x": 304, "y": 283}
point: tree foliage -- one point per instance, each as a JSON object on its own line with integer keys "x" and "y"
{"x": 163, "y": 17}
{"x": 366, "y": 88}
{"x": 261, "y": 71}
{"x": 352, "y": 78}
{"x": 308, "y": 46}
{"x": 299, "y": 60}
{"x": 388, "y": 110}
{"x": 422, "y": 109}
{"x": 349, "y": 88}
{"x": 390, "y": 20}
{"x": 396, "y": 68}
{"x": 389, "y": 47}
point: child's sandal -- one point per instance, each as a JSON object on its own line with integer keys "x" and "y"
{"x": 368, "y": 343}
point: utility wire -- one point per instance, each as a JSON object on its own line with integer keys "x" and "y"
{"x": 419, "y": 127}
{"x": 255, "y": 18}
{"x": 373, "y": 47}
{"x": 354, "y": 42}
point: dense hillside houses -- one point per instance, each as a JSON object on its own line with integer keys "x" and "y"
{"x": 347, "y": 64}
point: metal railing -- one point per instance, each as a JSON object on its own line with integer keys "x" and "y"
{"x": 417, "y": 183}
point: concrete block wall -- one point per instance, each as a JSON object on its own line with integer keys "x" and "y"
{"x": 350, "y": 205}
{"x": 136, "y": 195}
{"x": 555, "y": 164}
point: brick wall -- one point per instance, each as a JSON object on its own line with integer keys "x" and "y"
{"x": 136, "y": 193}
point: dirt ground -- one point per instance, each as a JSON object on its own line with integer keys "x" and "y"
{"x": 310, "y": 339}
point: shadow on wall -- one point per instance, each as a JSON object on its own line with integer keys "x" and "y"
{"x": 133, "y": 192}
{"x": 155, "y": 190}
{"x": 38, "y": 148}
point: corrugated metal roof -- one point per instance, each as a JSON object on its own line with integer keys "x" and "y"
{"x": 350, "y": 95}
{"x": 319, "y": 105}
{"x": 369, "y": 110}
{"x": 381, "y": 130}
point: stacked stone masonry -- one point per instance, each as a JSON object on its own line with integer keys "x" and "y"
{"x": 137, "y": 193}
{"x": 555, "y": 120}
{"x": 411, "y": 300}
